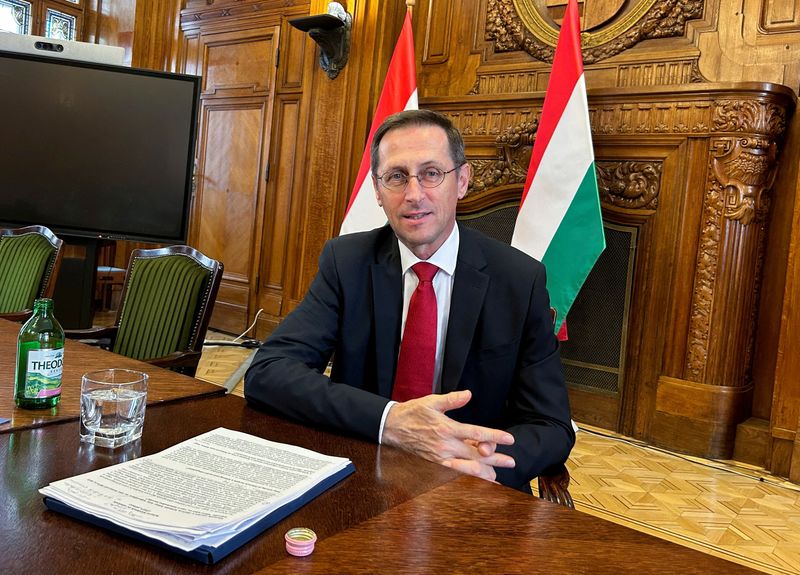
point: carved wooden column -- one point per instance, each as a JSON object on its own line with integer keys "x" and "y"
{"x": 714, "y": 391}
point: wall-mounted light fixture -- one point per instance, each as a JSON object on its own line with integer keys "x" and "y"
{"x": 331, "y": 32}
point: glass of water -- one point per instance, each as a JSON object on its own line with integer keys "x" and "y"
{"x": 112, "y": 406}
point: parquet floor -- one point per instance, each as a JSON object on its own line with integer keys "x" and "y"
{"x": 722, "y": 508}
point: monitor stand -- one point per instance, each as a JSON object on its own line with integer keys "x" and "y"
{"x": 74, "y": 292}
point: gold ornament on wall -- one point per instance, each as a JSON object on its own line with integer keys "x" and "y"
{"x": 608, "y": 26}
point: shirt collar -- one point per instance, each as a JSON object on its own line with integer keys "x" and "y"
{"x": 444, "y": 258}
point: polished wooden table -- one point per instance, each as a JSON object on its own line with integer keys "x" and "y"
{"x": 163, "y": 385}
{"x": 395, "y": 514}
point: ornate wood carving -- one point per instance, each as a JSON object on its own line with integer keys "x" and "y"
{"x": 697, "y": 75}
{"x": 749, "y": 116}
{"x": 511, "y": 28}
{"x": 677, "y": 117}
{"x": 704, "y": 282}
{"x": 741, "y": 171}
{"x": 514, "y": 147}
{"x": 630, "y": 185}
{"x": 204, "y": 11}
{"x": 624, "y": 184}
{"x": 682, "y": 70}
{"x": 745, "y": 167}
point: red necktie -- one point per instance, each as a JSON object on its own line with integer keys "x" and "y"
{"x": 415, "y": 365}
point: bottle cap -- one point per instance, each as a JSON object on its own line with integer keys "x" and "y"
{"x": 300, "y": 541}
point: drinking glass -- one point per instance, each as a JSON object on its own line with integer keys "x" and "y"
{"x": 112, "y": 406}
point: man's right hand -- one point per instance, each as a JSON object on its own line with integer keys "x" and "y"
{"x": 421, "y": 427}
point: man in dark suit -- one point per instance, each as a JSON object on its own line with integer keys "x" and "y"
{"x": 494, "y": 403}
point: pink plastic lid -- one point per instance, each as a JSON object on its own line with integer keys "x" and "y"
{"x": 300, "y": 541}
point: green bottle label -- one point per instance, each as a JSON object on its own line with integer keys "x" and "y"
{"x": 43, "y": 376}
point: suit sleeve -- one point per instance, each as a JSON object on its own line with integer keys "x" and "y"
{"x": 537, "y": 410}
{"x": 287, "y": 372}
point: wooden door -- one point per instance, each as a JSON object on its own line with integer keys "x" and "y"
{"x": 238, "y": 89}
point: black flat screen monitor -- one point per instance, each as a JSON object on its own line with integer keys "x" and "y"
{"x": 98, "y": 151}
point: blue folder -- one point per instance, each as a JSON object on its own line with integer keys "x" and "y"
{"x": 204, "y": 553}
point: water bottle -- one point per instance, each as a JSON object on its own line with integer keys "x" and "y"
{"x": 40, "y": 356}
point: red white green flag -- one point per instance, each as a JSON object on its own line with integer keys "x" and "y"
{"x": 399, "y": 93}
{"x": 559, "y": 220}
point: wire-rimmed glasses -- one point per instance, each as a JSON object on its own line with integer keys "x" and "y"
{"x": 397, "y": 180}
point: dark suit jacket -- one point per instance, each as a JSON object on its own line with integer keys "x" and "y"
{"x": 499, "y": 344}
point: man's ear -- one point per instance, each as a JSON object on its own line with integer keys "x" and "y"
{"x": 464, "y": 175}
{"x": 377, "y": 193}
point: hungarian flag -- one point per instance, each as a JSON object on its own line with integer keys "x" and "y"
{"x": 559, "y": 220}
{"x": 399, "y": 93}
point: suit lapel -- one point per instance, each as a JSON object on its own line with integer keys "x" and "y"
{"x": 387, "y": 309}
{"x": 469, "y": 290}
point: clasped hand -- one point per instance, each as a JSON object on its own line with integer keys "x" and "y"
{"x": 421, "y": 427}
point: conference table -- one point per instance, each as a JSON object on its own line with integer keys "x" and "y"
{"x": 396, "y": 514}
{"x": 163, "y": 385}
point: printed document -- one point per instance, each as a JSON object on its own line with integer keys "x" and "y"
{"x": 202, "y": 491}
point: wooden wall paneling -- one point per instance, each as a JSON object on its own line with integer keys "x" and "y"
{"x": 444, "y": 35}
{"x": 287, "y": 167}
{"x": 786, "y": 399}
{"x": 324, "y": 162}
{"x": 782, "y": 198}
{"x": 780, "y": 16}
{"x": 438, "y": 18}
{"x": 794, "y": 467}
{"x": 111, "y": 22}
{"x": 749, "y": 41}
{"x": 239, "y": 63}
{"x": 237, "y": 94}
{"x": 227, "y": 198}
{"x": 292, "y": 65}
{"x": 287, "y": 155}
{"x": 189, "y": 54}
{"x": 662, "y": 271}
{"x": 781, "y": 451}
{"x": 286, "y": 191}
{"x": 775, "y": 371}
{"x": 689, "y": 174}
{"x": 156, "y": 32}
{"x": 340, "y": 113}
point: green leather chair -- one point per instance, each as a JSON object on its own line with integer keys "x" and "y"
{"x": 165, "y": 307}
{"x": 29, "y": 261}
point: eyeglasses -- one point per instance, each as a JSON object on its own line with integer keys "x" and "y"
{"x": 397, "y": 180}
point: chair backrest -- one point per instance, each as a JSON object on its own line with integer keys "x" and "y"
{"x": 496, "y": 221}
{"x": 29, "y": 261}
{"x": 166, "y": 302}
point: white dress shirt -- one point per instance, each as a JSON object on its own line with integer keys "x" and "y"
{"x": 445, "y": 259}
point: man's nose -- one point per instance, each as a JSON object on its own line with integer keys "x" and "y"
{"x": 414, "y": 190}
